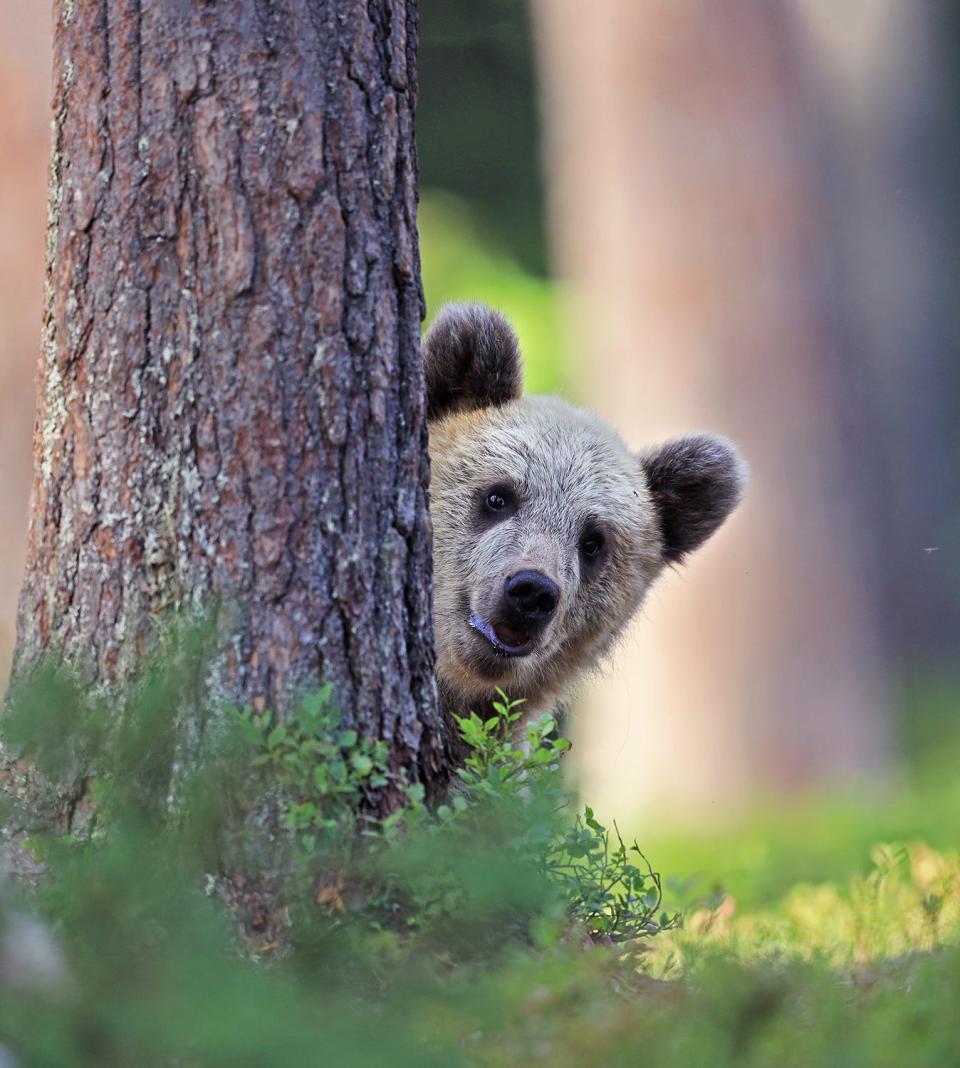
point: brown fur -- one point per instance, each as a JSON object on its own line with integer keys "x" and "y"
{"x": 566, "y": 477}
{"x": 472, "y": 359}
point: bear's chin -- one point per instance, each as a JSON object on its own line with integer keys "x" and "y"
{"x": 480, "y": 667}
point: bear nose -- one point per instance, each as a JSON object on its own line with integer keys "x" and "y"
{"x": 532, "y": 595}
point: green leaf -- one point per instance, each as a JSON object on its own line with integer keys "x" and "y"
{"x": 362, "y": 764}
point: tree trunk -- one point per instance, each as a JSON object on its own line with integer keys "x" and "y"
{"x": 231, "y": 399}
{"x": 887, "y": 68}
{"x": 685, "y": 145}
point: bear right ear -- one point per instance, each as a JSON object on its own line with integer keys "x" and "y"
{"x": 471, "y": 358}
{"x": 696, "y": 482}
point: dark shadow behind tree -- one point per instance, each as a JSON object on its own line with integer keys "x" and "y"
{"x": 231, "y": 415}
{"x": 478, "y": 127}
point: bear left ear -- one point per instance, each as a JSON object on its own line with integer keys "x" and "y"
{"x": 471, "y": 358}
{"x": 696, "y": 482}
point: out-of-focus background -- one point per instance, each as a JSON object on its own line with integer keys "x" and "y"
{"x": 740, "y": 217}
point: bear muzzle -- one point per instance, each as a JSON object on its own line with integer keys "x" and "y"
{"x": 527, "y": 604}
{"x": 530, "y": 599}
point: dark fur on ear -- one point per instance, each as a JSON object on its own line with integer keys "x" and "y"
{"x": 471, "y": 357}
{"x": 696, "y": 482}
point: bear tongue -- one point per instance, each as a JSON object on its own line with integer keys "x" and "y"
{"x": 509, "y": 635}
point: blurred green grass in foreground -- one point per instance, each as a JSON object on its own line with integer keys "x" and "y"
{"x": 148, "y": 970}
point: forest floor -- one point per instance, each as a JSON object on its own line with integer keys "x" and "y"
{"x": 821, "y": 931}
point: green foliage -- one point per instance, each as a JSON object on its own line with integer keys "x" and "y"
{"x": 502, "y": 928}
{"x": 516, "y": 864}
{"x": 322, "y": 769}
{"x": 609, "y": 893}
{"x": 514, "y": 860}
{"x": 500, "y": 760}
{"x": 601, "y": 887}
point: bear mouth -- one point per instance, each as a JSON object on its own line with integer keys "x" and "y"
{"x": 505, "y": 639}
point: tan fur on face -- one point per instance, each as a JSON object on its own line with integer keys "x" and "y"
{"x": 568, "y": 468}
{"x": 565, "y": 476}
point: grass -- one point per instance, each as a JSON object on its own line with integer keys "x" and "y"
{"x": 836, "y": 943}
{"x": 827, "y": 835}
{"x": 809, "y": 839}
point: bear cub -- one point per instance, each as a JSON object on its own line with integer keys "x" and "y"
{"x": 548, "y": 531}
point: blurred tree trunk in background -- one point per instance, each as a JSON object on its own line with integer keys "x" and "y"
{"x": 685, "y": 146}
{"x": 24, "y": 134}
{"x": 886, "y": 66}
{"x": 231, "y": 400}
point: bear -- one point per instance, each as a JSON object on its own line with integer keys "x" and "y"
{"x": 548, "y": 531}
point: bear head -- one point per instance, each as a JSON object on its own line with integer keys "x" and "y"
{"x": 548, "y": 530}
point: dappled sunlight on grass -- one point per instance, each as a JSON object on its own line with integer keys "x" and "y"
{"x": 810, "y": 838}
{"x": 908, "y": 902}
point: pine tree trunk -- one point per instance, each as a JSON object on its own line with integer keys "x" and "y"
{"x": 231, "y": 409}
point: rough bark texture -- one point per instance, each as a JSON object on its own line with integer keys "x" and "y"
{"x": 231, "y": 400}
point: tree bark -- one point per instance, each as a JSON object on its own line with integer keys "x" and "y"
{"x": 887, "y": 69}
{"x": 686, "y": 143}
{"x": 231, "y": 405}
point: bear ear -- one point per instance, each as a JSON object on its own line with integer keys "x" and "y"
{"x": 696, "y": 482}
{"x": 471, "y": 358}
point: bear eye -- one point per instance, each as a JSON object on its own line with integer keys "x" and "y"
{"x": 499, "y": 502}
{"x": 591, "y": 544}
